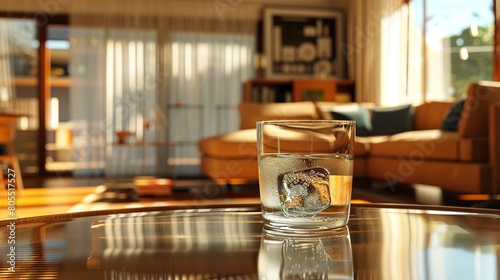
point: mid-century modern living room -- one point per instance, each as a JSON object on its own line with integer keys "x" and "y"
{"x": 109, "y": 104}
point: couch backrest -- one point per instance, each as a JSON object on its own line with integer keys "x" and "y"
{"x": 474, "y": 117}
{"x": 426, "y": 116}
{"x": 430, "y": 115}
{"x": 325, "y": 108}
{"x": 250, "y": 112}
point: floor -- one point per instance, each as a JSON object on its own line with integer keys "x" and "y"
{"x": 363, "y": 190}
{"x": 43, "y": 196}
{"x": 208, "y": 189}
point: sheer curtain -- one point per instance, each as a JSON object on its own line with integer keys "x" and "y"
{"x": 113, "y": 74}
{"x": 385, "y": 51}
{"x": 166, "y": 79}
{"x": 7, "y": 92}
{"x": 207, "y": 73}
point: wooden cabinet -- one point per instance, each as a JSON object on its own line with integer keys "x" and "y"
{"x": 269, "y": 90}
{"x": 264, "y": 90}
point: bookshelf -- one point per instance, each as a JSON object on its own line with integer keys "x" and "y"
{"x": 30, "y": 139}
{"x": 33, "y": 82}
{"x": 263, "y": 90}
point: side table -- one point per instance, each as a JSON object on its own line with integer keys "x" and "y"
{"x": 7, "y": 136}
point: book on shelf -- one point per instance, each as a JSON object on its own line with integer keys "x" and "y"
{"x": 268, "y": 94}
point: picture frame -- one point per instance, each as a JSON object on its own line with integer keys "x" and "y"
{"x": 303, "y": 43}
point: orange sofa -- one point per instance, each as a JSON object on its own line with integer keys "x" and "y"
{"x": 465, "y": 161}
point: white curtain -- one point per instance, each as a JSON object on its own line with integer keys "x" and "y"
{"x": 7, "y": 92}
{"x": 384, "y": 50}
{"x": 167, "y": 80}
{"x": 206, "y": 76}
{"x": 113, "y": 73}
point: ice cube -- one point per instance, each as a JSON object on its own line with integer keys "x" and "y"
{"x": 304, "y": 193}
{"x": 304, "y": 260}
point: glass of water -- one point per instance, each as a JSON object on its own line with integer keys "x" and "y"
{"x": 305, "y": 174}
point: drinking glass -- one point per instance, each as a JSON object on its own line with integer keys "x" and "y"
{"x": 305, "y": 173}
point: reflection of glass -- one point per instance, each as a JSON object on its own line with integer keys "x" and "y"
{"x": 306, "y": 257}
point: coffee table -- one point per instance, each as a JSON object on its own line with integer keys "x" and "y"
{"x": 381, "y": 241}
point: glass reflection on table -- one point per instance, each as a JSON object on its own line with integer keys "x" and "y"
{"x": 326, "y": 256}
{"x": 189, "y": 245}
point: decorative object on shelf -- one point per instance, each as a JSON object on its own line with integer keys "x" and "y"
{"x": 122, "y": 136}
{"x": 314, "y": 90}
{"x": 260, "y": 64}
{"x": 292, "y": 90}
{"x": 303, "y": 43}
{"x": 146, "y": 125}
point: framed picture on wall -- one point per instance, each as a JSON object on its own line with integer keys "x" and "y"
{"x": 303, "y": 43}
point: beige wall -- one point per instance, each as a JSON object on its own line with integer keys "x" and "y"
{"x": 216, "y": 9}
{"x": 206, "y": 8}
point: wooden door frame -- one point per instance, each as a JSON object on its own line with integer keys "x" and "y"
{"x": 42, "y": 22}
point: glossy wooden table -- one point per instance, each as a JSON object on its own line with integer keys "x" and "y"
{"x": 380, "y": 242}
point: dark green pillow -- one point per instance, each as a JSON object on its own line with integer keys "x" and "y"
{"x": 392, "y": 120}
{"x": 451, "y": 120}
{"x": 359, "y": 114}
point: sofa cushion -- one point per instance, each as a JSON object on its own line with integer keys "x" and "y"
{"x": 474, "y": 119}
{"x": 324, "y": 108}
{"x": 243, "y": 144}
{"x": 450, "y": 122}
{"x": 417, "y": 145}
{"x": 357, "y": 113}
{"x": 230, "y": 168}
{"x": 250, "y": 113}
{"x": 237, "y": 144}
{"x": 300, "y": 139}
{"x": 361, "y": 146}
{"x": 392, "y": 120}
{"x": 450, "y": 175}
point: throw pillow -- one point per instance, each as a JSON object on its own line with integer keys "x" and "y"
{"x": 392, "y": 120}
{"x": 451, "y": 120}
{"x": 359, "y": 114}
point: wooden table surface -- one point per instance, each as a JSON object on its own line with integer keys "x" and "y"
{"x": 382, "y": 241}
{"x": 43, "y": 201}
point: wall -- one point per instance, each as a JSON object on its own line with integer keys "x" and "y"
{"x": 210, "y": 8}
{"x": 221, "y": 9}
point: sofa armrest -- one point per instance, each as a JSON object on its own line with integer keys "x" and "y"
{"x": 494, "y": 146}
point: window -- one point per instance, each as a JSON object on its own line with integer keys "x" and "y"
{"x": 459, "y": 39}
